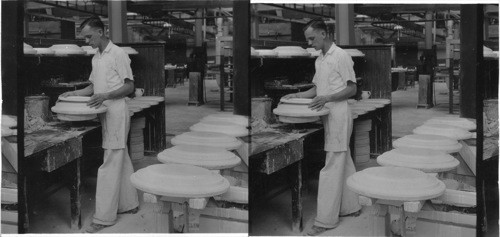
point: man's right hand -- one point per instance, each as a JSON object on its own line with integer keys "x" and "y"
{"x": 68, "y": 93}
{"x": 290, "y": 96}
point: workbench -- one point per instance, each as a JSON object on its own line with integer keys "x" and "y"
{"x": 282, "y": 148}
{"x": 55, "y": 149}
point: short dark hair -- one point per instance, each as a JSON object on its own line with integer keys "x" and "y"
{"x": 94, "y": 22}
{"x": 316, "y": 24}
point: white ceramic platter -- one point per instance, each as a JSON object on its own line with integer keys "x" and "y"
{"x": 179, "y": 180}
{"x": 72, "y": 108}
{"x": 450, "y": 131}
{"x": 74, "y": 98}
{"x": 9, "y": 121}
{"x": 27, "y": 49}
{"x": 67, "y": 49}
{"x": 150, "y": 98}
{"x": 138, "y": 104}
{"x": 266, "y": 52}
{"x": 150, "y": 102}
{"x": 89, "y": 49}
{"x": 366, "y": 107}
{"x": 129, "y": 50}
{"x": 358, "y": 112}
{"x": 455, "y": 121}
{"x": 291, "y": 51}
{"x": 395, "y": 183}
{"x": 210, "y": 139}
{"x": 354, "y": 53}
{"x": 220, "y": 127}
{"x": 299, "y": 101}
{"x": 207, "y": 157}
{"x": 44, "y": 51}
{"x": 378, "y": 101}
{"x": 76, "y": 117}
{"x": 229, "y": 118}
{"x": 428, "y": 161}
{"x": 432, "y": 142}
{"x": 287, "y": 119}
{"x": 369, "y": 104}
{"x": 298, "y": 110}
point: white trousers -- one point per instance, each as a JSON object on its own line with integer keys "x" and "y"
{"x": 114, "y": 192}
{"x": 334, "y": 197}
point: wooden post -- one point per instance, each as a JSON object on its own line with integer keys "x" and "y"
{"x": 424, "y": 91}
{"x": 297, "y": 199}
{"x": 470, "y": 57}
{"x": 117, "y": 13}
{"x": 75, "y": 198}
{"x": 241, "y": 42}
{"x": 195, "y": 89}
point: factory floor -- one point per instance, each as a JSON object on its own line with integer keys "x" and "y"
{"x": 53, "y": 214}
{"x": 273, "y": 217}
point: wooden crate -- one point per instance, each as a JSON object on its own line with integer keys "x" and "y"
{"x": 223, "y": 220}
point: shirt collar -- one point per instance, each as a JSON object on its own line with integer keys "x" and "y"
{"x": 330, "y": 51}
{"x": 108, "y": 47}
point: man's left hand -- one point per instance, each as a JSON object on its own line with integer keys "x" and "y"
{"x": 318, "y": 103}
{"x": 96, "y": 100}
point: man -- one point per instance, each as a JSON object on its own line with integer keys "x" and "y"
{"x": 334, "y": 82}
{"x": 112, "y": 80}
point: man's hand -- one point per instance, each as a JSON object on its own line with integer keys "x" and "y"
{"x": 290, "y": 96}
{"x": 318, "y": 102}
{"x": 97, "y": 99}
{"x": 69, "y": 93}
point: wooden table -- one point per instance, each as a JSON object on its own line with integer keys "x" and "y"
{"x": 282, "y": 148}
{"x": 56, "y": 148}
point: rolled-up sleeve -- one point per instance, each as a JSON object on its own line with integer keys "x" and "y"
{"x": 122, "y": 66}
{"x": 345, "y": 68}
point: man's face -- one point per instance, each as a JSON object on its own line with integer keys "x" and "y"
{"x": 92, "y": 36}
{"x": 315, "y": 38}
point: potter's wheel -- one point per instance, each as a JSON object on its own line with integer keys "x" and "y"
{"x": 207, "y": 157}
{"x": 395, "y": 183}
{"x": 178, "y": 180}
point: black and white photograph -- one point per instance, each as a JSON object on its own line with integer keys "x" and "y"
{"x": 366, "y": 119}
{"x": 129, "y": 118}
{"x": 249, "y": 118}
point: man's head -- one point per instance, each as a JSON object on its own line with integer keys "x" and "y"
{"x": 92, "y": 30}
{"x": 315, "y": 32}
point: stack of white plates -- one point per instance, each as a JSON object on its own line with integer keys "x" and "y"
{"x": 253, "y": 52}
{"x": 296, "y": 110}
{"x": 129, "y": 50}
{"x": 455, "y": 121}
{"x": 28, "y": 49}
{"x": 67, "y": 49}
{"x": 89, "y": 49}
{"x": 362, "y": 140}
{"x": 266, "y": 52}
{"x": 137, "y": 126}
{"x": 288, "y": 51}
{"x": 432, "y": 142}
{"x": 74, "y": 108}
{"x": 44, "y": 51}
{"x": 313, "y": 52}
{"x": 150, "y": 98}
{"x": 354, "y": 53}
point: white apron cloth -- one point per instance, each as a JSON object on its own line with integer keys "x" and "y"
{"x": 114, "y": 191}
{"x": 333, "y": 71}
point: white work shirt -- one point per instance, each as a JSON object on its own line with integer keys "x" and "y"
{"x": 333, "y": 70}
{"x": 109, "y": 70}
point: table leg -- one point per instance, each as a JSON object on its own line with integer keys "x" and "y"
{"x": 163, "y": 214}
{"x": 297, "y": 200}
{"x": 75, "y": 198}
{"x": 185, "y": 208}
